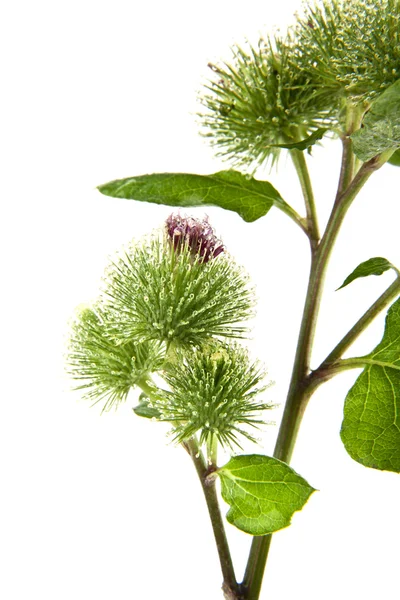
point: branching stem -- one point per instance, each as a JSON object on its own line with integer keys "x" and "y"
{"x": 330, "y": 366}
{"x": 299, "y": 389}
{"x": 303, "y": 381}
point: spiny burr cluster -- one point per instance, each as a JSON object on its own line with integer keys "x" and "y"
{"x": 167, "y": 301}
{"x": 339, "y": 53}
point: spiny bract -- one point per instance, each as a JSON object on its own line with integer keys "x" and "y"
{"x": 213, "y": 392}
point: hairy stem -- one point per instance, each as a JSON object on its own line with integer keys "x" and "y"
{"x": 300, "y": 165}
{"x": 299, "y": 392}
{"x": 230, "y": 587}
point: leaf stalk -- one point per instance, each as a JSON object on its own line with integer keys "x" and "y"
{"x": 292, "y": 214}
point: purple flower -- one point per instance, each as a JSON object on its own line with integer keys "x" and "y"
{"x": 196, "y": 233}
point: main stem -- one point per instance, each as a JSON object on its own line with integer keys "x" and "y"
{"x": 299, "y": 391}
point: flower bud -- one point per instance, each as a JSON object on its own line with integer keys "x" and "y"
{"x": 198, "y": 235}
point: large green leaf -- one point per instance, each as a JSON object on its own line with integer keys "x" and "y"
{"x": 373, "y": 266}
{"x": 231, "y": 190}
{"x": 380, "y": 129}
{"x": 263, "y": 493}
{"x": 371, "y": 424}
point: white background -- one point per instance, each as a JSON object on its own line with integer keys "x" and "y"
{"x": 103, "y": 507}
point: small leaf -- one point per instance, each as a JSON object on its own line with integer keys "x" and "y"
{"x": 143, "y": 409}
{"x": 230, "y": 190}
{"x": 395, "y": 159}
{"x": 306, "y": 143}
{"x": 380, "y": 129}
{"x": 263, "y": 493}
{"x": 371, "y": 425}
{"x": 373, "y": 266}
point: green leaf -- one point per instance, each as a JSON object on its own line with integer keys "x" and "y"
{"x": 373, "y": 266}
{"x": 371, "y": 425}
{"x": 143, "y": 409}
{"x": 306, "y": 143}
{"x": 395, "y": 159}
{"x": 231, "y": 190}
{"x": 380, "y": 129}
{"x": 263, "y": 493}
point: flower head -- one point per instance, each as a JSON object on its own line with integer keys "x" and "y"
{"x": 155, "y": 292}
{"x": 197, "y": 234}
{"x": 350, "y": 47}
{"x": 259, "y": 100}
{"x": 214, "y": 391}
{"x": 106, "y": 370}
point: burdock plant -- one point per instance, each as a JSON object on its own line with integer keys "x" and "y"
{"x": 171, "y": 318}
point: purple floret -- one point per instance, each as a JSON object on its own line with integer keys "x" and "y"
{"x": 196, "y": 233}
